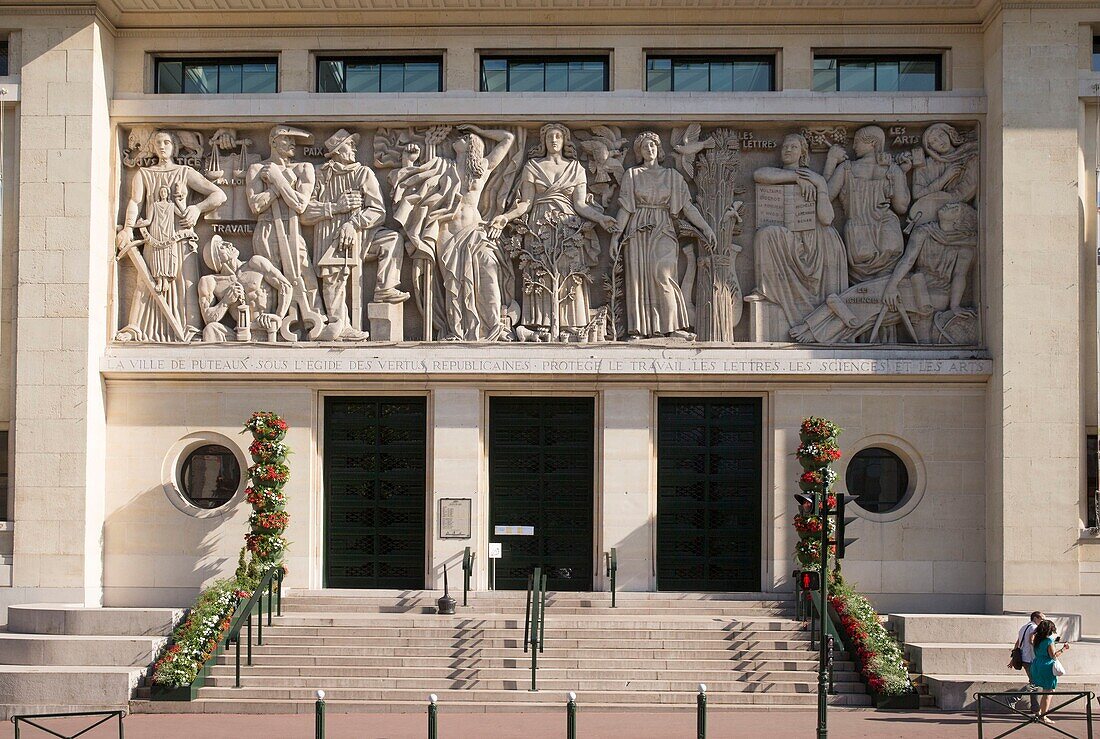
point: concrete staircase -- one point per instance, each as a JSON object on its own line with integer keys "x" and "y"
{"x": 69, "y": 658}
{"x": 958, "y": 656}
{"x": 386, "y": 651}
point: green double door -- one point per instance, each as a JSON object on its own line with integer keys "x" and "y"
{"x": 541, "y": 469}
{"x": 709, "y": 494}
{"x": 375, "y": 472}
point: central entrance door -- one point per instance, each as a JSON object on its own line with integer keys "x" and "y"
{"x": 709, "y": 481}
{"x": 541, "y": 467}
{"x": 375, "y": 473}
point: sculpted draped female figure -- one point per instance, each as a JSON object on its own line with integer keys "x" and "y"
{"x": 553, "y": 181}
{"x": 651, "y": 199}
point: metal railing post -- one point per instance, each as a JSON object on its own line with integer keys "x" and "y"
{"x": 467, "y": 572}
{"x": 571, "y": 717}
{"x": 238, "y": 669}
{"x": 701, "y": 712}
{"x": 527, "y": 615}
{"x": 433, "y": 717}
{"x": 538, "y": 582}
{"x": 270, "y": 597}
{"x": 542, "y": 617}
{"x": 319, "y": 716}
{"x": 260, "y": 620}
{"x": 612, "y": 570}
{"x": 249, "y": 639}
{"x": 279, "y": 592}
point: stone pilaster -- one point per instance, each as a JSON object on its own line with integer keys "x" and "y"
{"x": 456, "y": 473}
{"x": 629, "y": 496}
{"x": 65, "y": 244}
{"x": 1032, "y": 282}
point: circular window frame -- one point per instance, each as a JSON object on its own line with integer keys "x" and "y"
{"x": 172, "y": 468}
{"x": 914, "y": 465}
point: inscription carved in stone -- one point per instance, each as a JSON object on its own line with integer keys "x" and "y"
{"x": 723, "y": 234}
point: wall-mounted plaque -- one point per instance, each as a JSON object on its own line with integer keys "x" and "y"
{"x": 456, "y": 518}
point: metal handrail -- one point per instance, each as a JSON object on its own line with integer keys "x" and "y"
{"x": 467, "y": 572}
{"x": 270, "y": 584}
{"x": 612, "y": 561}
{"x": 534, "y": 621}
{"x": 1026, "y": 719}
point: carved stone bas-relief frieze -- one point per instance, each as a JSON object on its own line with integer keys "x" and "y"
{"x": 725, "y": 234}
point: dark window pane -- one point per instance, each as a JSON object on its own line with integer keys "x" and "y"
{"x": 825, "y": 75}
{"x": 259, "y": 78}
{"x": 392, "y": 78}
{"x": 751, "y": 76}
{"x": 526, "y": 77}
{"x": 200, "y": 78}
{"x": 857, "y": 75}
{"x": 3, "y": 71}
{"x": 659, "y": 75}
{"x": 557, "y": 77}
{"x": 691, "y": 77}
{"x": 721, "y": 77}
{"x": 588, "y": 76}
{"x": 918, "y": 75}
{"x": 1096, "y": 53}
{"x": 330, "y": 76}
{"x": 494, "y": 75}
{"x": 363, "y": 78}
{"x": 230, "y": 78}
{"x": 886, "y": 76}
{"x": 422, "y": 77}
{"x": 169, "y": 77}
{"x": 3, "y": 475}
{"x": 210, "y": 476}
{"x": 878, "y": 479}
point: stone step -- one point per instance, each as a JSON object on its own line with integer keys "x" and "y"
{"x": 642, "y": 652}
{"x": 24, "y": 687}
{"x": 63, "y": 649}
{"x": 595, "y": 637}
{"x": 1082, "y": 658}
{"x": 403, "y": 596}
{"x": 546, "y": 694}
{"x": 520, "y": 681}
{"x": 75, "y": 620}
{"x": 475, "y": 609}
{"x": 313, "y": 664}
{"x": 338, "y": 627}
{"x": 958, "y": 692}
{"x": 419, "y": 706}
{"x": 686, "y": 672}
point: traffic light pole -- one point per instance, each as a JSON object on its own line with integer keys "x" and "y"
{"x": 823, "y": 611}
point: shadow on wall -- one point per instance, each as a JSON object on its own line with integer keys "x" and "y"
{"x": 157, "y": 555}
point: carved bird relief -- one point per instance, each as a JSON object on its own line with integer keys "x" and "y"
{"x": 686, "y": 146}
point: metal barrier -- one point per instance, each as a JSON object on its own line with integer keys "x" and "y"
{"x": 701, "y": 712}
{"x": 271, "y": 585}
{"x": 433, "y": 717}
{"x": 319, "y": 716}
{"x": 612, "y": 560}
{"x": 105, "y": 716}
{"x": 467, "y": 572}
{"x": 534, "y": 626}
{"x": 1027, "y": 719}
{"x": 571, "y": 717}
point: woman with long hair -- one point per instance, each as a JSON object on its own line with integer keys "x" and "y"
{"x": 1042, "y": 668}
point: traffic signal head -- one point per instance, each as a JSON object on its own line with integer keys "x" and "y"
{"x": 842, "y": 521}
{"x": 809, "y": 580}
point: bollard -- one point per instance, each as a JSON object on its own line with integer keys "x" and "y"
{"x": 701, "y": 712}
{"x": 319, "y": 721}
{"x": 433, "y": 717}
{"x": 571, "y": 717}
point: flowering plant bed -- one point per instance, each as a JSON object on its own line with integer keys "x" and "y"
{"x": 878, "y": 655}
{"x": 199, "y": 637}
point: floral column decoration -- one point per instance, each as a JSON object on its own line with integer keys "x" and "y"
{"x": 817, "y": 450}
{"x": 265, "y": 493}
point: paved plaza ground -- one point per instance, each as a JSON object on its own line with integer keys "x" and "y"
{"x": 843, "y": 724}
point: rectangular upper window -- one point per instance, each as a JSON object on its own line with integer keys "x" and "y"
{"x": 710, "y": 74}
{"x": 544, "y": 74}
{"x": 380, "y": 74}
{"x": 224, "y": 76}
{"x": 3, "y": 475}
{"x": 1096, "y": 53}
{"x": 878, "y": 73}
{"x": 4, "y": 62}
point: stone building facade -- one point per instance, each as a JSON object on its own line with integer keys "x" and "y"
{"x": 559, "y": 321}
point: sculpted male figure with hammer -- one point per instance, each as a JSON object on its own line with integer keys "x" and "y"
{"x": 347, "y": 210}
{"x": 279, "y": 190}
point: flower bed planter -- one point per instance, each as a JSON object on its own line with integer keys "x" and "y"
{"x": 906, "y": 701}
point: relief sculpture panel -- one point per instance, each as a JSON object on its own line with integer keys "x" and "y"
{"x": 723, "y": 234}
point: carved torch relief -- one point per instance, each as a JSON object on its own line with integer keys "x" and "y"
{"x": 822, "y": 234}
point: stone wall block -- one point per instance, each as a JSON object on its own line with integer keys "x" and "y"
{"x": 68, "y": 98}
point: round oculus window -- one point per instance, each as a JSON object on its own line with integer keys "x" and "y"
{"x": 210, "y": 476}
{"x": 878, "y": 479}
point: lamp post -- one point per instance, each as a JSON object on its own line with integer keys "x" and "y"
{"x": 822, "y": 668}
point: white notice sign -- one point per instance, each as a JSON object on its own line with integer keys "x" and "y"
{"x": 494, "y": 550}
{"x": 455, "y": 518}
{"x": 513, "y": 531}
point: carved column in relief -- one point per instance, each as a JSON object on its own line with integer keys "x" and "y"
{"x": 164, "y": 307}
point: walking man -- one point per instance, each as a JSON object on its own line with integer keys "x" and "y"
{"x": 1027, "y": 655}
